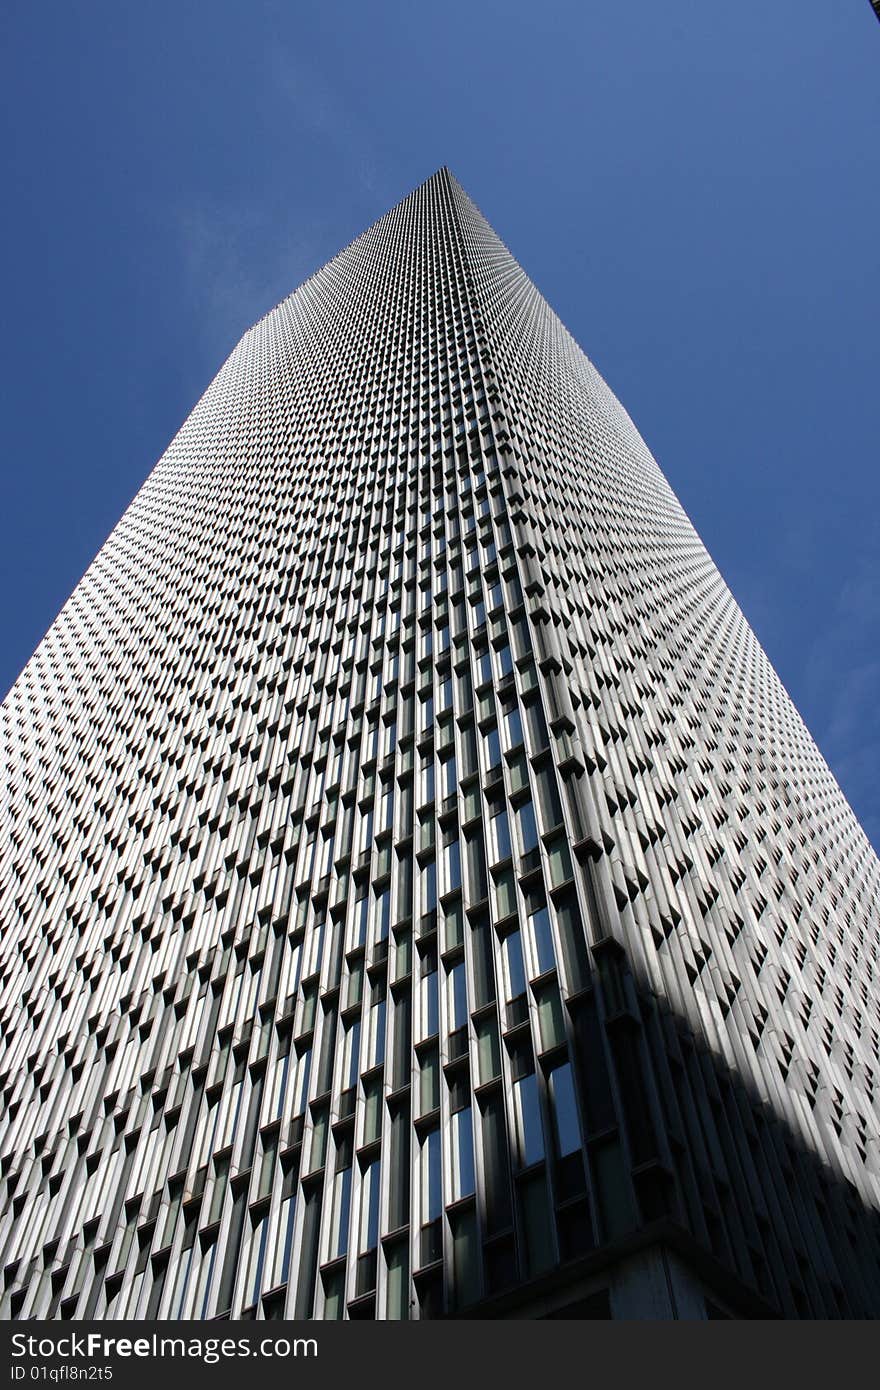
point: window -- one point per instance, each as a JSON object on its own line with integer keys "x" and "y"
{"x": 492, "y": 749}
{"x": 371, "y": 739}
{"x": 471, "y": 803}
{"x": 325, "y": 860}
{"x": 548, "y": 798}
{"x": 448, "y": 776}
{"x": 359, "y": 919}
{"x": 464, "y": 690}
{"x": 519, "y": 776}
{"x": 611, "y": 1181}
{"x": 256, "y": 1255}
{"x": 488, "y": 1050}
{"x": 514, "y": 973}
{"x": 451, "y": 865}
{"x": 334, "y": 1294}
{"x": 267, "y": 1165}
{"x": 499, "y": 832}
{"x": 541, "y": 936}
{"x": 318, "y": 1151}
{"x": 528, "y": 1116}
{"x": 536, "y": 1223}
{"x": 465, "y": 1257}
{"x": 452, "y": 926}
{"x": 431, "y": 1177}
{"x": 456, "y": 998}
{"x": 279, "y": 1074}
{"x": 478, "y": 884}
{"x": 560, "y": 861}
{"x": 574, "y": 950}
{"x": 372, "y": 1111}
{"x": 527, "y": 830}
{"x": 429, "y": 886}
{"x": 483, "y": 963}
{"x": 513, "y": 730}
{"x": 504, "y": 661}
{"x": 281, "y": 1268}
{"x": 402, "y": 1037}
{"x": 365, "y": 836}
{"x": 496, "y": 1163}
{"x": 376, "y": 1032}
{"x": 369, "y": 1223}
{"x": 563, "y": 1106}
{"x": 429, "y": 1082}
{"x": 461, "y": 1139}
{"x": 537, "y": 727}
{"x": 397, "y": 1281}
{"x": 426, "y": 781}
{"x": 504, "y": 894}
{"x": 551, "y": 1023}
{"x": 430, "y": 1010}
{"x": 468, "y": 751}
{"x": 337, "y": 1226}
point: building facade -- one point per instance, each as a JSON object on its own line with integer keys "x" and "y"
{"x": 420, "y": 896}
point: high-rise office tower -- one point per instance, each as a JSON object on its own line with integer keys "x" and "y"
{"x": 420, "y": 896}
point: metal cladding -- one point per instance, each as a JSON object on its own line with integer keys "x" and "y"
{"x": 420, "y": 896}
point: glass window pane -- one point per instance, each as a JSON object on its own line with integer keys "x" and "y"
{"x": 542, "y": 940}
{"x": 529, "y": 1116}
{"x": 527, "y": 826}
{"x": 429, "y": 1095}
{"x": 560, "y": 862}
{"x": 505, "y": 895}
{"x": 456, "y": 998}
{"x": 462, "y": 1139}
{"x": 432, "y": 1184}
{"x": 370, "y": 1189}
{"x": 564, "y": 1108}
{"x": 488, "y": 1049}
{"x": 515, "y": 975}
{"x": 535, "y": 1208}
{"x": 550, "y": 1018}
{"x": 398, "y": 1282}
{"x": 465, "y": 1258}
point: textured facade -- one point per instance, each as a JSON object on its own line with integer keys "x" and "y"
{"x": 420, "y": 896}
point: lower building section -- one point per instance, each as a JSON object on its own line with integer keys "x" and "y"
{"x": 658, "y": 1274}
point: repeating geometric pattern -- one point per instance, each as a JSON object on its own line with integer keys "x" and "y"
{"x": 416, "y": 878}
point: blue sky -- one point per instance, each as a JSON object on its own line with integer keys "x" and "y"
{"x": 694, "y": 186}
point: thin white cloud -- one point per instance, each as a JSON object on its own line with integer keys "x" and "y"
{"x": 239, "y": 257}
{"x": 322, "y": 110}
{"x": 238, "y": 262}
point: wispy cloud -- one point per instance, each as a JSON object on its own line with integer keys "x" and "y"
{"x": 320, "y": 108}
{"x": 241, "y": 257}
{"x": 238, "y": 262}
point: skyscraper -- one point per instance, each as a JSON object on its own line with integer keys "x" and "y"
{"x": 420, "y": 895}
